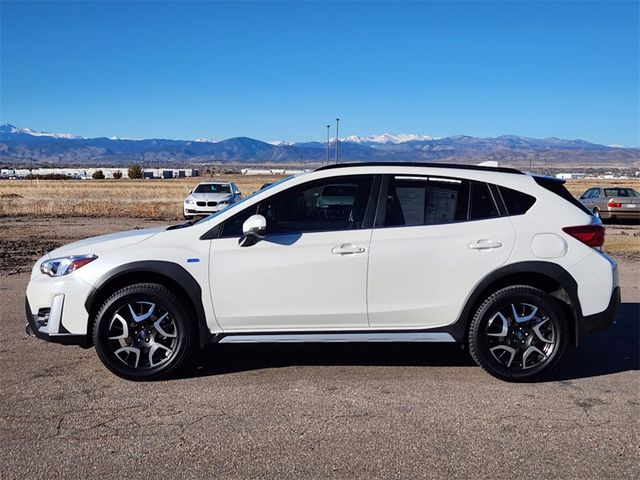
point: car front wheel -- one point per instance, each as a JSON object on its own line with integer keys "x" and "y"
{"x": 518, "y": 333}
{"x": 144, "y": 332}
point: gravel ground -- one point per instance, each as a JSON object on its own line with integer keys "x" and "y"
{"x": 309, "y": 411}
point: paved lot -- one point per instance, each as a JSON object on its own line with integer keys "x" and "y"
{"x": 319, "y": 411}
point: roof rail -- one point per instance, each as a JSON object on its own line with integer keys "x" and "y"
{"x": 453, "y": 166}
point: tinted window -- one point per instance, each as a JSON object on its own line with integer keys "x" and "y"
{"x": 620, "y": 192}
{"x": 213, "y": 188}
{"x": 324, "y": 205}
{"x": 482, "y": 204}
{"x": 587, "y": 194}
{"x": 426, "y": 201}
{"x": 517, "y": 203}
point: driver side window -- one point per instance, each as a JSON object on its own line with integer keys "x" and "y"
{"x": 332, "y": 204}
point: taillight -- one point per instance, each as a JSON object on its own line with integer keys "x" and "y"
{"x": 590, "y": 235}
{"x": 613, "y": 204}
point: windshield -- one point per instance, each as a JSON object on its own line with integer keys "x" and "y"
{"x": 215, "y": 214}
{"x": 620, "y": 192}
{"x": 213, "y": 188}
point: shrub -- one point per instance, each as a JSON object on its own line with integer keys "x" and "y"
{"x": 117, "y": 175}
{"x": 135, "y": 171}
{"x": 98, "y": 175}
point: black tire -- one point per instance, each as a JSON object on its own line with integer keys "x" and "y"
{"x": 529, "y": 348}
{"x": 164, "y": 336}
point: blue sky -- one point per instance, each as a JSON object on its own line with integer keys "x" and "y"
{"x": 282, "y": 71}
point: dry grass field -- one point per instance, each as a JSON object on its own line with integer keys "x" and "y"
{"x": 578, "y": 187}
{"x": 157, "y": 199}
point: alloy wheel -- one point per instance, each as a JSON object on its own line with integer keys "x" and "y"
{"x": 142, "y": 335}
{"x": 521, "y": 336}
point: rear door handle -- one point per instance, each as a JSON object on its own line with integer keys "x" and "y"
{"x": 347, "y": 249}
{"x": 484, "y": 245}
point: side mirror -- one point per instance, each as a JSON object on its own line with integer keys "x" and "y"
{"x": 190, "y": 192}
{"x": 254, "y": 229}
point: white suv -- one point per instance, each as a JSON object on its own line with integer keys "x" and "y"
{"x": 210, "y": 197}
{"x": 357, "y": 253}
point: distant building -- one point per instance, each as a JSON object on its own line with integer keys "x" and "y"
{"x": 86, "y": 173}
{"x": 569, "y": 176}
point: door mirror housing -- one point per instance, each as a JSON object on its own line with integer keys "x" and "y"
{"x": 254, "y": 229}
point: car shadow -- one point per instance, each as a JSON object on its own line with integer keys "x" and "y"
{"x": 611, "y": 351}
{"x": 614, "y": 350}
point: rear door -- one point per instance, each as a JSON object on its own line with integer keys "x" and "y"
{"x": 435, "y": 239}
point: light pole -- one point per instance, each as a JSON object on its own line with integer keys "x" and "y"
{"x": 328, "y": 145}
{"x": 337, "y": 139}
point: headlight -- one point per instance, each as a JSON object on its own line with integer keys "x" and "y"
{"x": 224, "y": 202}
{"x": 189, "y": 201}
{"x": 58, "y": 267}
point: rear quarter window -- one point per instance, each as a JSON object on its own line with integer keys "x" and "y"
{"x": 517, "y": 203}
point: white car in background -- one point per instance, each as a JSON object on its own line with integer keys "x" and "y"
{"x": 347, "y": 253}
{"x": 210, "y": 197}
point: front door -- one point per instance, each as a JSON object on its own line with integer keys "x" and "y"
{"x": 309, "y": 272}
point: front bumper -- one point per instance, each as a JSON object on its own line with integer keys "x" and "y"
{"x": 47, "y": 326}
{"x": 196, "y": 210}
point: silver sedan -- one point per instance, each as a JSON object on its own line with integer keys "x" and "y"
{"x": 615, "y": 203}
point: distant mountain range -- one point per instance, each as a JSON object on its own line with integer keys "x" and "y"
{"x": 23, "y": 145}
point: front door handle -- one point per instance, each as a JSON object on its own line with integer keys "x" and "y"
{"x": 484, "y": 245}
{"x": 347, "y": 249}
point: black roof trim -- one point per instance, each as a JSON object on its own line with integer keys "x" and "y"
{"x": 453, "y": 166}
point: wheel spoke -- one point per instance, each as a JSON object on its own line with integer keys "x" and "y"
{"x": 123, "y": 323}
{"x": 541, "y": 337}
{"x": 161, "y": 330}
{"x": 510, "y": 350}
{"x": 528, "y": 352}
{"x": 524, "y": 318}
{"x": 135, "y": 351}
{"x": 504, "y": 328}
{"x": 154, "y": 348}
{"x": 142, "y": 317}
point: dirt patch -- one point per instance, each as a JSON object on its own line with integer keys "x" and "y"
{"x": 25, "y": 239}
{"x": 17, "y": 255}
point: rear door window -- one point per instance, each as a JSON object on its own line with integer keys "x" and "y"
{"x": 482, "y": 204}
{"x": 415, "y": 201}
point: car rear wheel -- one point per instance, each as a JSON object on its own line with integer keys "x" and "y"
{"x": 518, "y": 333}
{"x": 144, "y": 332}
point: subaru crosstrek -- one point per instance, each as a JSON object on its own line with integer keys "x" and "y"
{"x": 348, "y": 253}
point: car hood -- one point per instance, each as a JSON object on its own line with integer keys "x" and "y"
{"x": 105, "y": 242}
{"x": 218, "y": 197}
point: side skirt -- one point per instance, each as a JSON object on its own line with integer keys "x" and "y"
{"x": 337, "y": 337}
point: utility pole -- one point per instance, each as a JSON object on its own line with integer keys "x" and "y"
{"x": 337, "y": 138}
{"x": 328, "y": 145}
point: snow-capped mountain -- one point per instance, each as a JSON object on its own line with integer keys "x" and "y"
{"x": 20, "y": 145}
{"x": 278, "y": 143}
{"x": 8, "y": 128}
{"x": 389, "y": 138}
